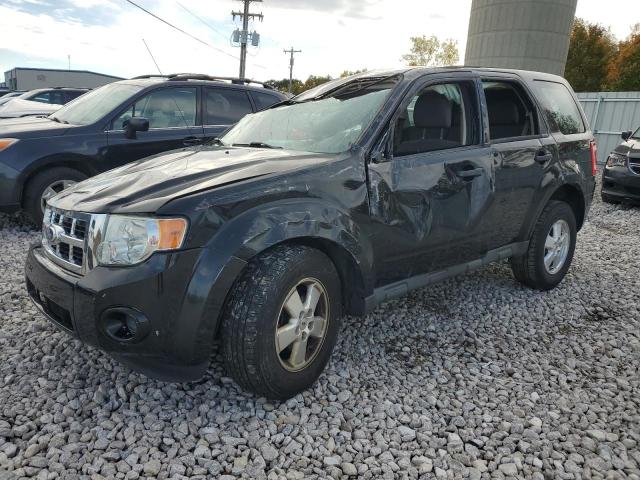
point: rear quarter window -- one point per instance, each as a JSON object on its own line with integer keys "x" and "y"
{"x": 559, "y": 107}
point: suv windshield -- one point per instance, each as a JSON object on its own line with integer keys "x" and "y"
{"x": 636, "y": 135}
{"x": 94, "y": 105}
{"x": 328, "y": 123}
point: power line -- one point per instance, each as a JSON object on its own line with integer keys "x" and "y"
{"x": 202, "y": 21}
{"x": 180, "y": 30}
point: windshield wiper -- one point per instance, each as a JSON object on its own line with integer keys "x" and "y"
{"x": 56, "y": 119}
{"x": 255, "y": 145}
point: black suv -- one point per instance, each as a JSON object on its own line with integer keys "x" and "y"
{"x": 621, "y": 174}
{"x": 116, "y": 124}
{"x": 343, "y": 197}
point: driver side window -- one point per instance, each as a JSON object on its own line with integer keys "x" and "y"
{"x": 165, "y": 108}
{"x": 438, "y": 117}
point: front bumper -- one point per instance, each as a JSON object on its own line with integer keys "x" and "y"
{"x": 158, "y": 288}
{"x": 621, "y": 183}
{"x": 9, "y": 189}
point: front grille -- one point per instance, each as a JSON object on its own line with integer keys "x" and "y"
{"x": 67, "y": 246}
{"x": 634, "y": 165}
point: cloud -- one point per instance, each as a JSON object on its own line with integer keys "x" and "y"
{"x": 334, "y": 35}
{"x": 89, "y": 12}
{"x": 349, "y": 8}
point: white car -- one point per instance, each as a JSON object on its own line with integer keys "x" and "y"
{"x": 10, "y": 96}
{"x": 43, "y": 101}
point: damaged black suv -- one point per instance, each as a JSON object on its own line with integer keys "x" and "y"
{"x": 327, "y": 204}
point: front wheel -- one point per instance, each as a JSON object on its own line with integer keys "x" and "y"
{"x": 551, "y": 248}
{"x": 282, "y": 320}
{"x": 45, "y": 185}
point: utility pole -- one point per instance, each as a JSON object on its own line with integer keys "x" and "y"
{"x": 244, "y": 34}
{"x": 291, "y": 51}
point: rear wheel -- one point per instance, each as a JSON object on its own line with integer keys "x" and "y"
{"x": 45, "y": 185}
{"x": 282, "y": 320}
{"x": 551, "y": 248}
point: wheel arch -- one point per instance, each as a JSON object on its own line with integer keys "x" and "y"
{"x": 569, "y": 193}
{"x": 75, "y": 161}
{"x": 349, "y": 270}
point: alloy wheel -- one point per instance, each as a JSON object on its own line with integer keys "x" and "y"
{"x": 556, "y": 246}
{"x": 302, "y": 324}
{"x": 54, "y": 189}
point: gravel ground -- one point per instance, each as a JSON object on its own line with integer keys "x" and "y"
{"x": 474, "y": 378}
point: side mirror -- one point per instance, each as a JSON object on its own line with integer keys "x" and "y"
{"x": 135, "y": 124}
{"x": 626, "y": 135}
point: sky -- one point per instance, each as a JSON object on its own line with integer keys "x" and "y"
{"x": 106, "y": 36}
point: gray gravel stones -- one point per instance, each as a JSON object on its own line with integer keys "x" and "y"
{"x": 475, "y": 378}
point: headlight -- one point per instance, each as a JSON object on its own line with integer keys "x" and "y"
{"x": 616, "y": 160}
{"x": 6, "y": 143}
{"x": 129, "y": 240}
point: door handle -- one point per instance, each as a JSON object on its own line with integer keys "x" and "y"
{"x": 543, "y": 156}
{"x": 469, "y": 174}
{"x": 190, "y": 141}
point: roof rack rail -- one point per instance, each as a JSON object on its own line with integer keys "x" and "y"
{"x": 140, "y": 77}
{"x": 200, "y": 76}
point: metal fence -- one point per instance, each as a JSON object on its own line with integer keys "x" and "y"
{"x": 610, "y": 114}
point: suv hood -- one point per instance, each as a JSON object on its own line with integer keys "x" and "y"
{"x": 146, "y": 185}
{"x": 31, "y": 127}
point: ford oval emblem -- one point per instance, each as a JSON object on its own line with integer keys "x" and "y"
{"x": 53, "y": 234}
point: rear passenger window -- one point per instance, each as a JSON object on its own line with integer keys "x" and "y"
{"x": 264, "y": 100}
{"x": 560, "y": 108}
{"x": 225, "y": 106}
{"x": 510, "y": 110}
{"x": 438, "y": 117}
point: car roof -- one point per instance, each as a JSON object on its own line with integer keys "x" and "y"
{"x": 411, "y": 73}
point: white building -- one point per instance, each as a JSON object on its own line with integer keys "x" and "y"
{"x": 32, "y": 78}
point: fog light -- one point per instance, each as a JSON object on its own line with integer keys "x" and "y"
{"x": 125, "y": 325}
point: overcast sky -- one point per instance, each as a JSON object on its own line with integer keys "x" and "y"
{"x": 334, "y": 35}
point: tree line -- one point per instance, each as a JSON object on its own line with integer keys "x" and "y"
{"x": 597, "y": 62}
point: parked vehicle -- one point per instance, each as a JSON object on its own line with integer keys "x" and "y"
{"x": 343, "y": 197}
{"x": 10, "y": 96}
{"x": 43, "y": 101}
{"x": 621, "y": 173}
{"x": 116, "y": 124}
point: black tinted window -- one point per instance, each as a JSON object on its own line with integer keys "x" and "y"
{"x": 511, "y": 112}
{"x": 225, "y": 106}
{"x": 264, "y": 100}
{"x": 560, "y": 109}
{"x": 437, "y": 118}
